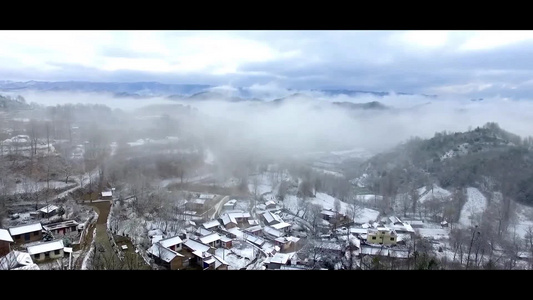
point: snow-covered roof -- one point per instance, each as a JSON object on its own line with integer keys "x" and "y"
{"x": 226, "y": 219}
{"x": 271, "y": 217}
{"x": 327, "y": 212}
{"x": 18, "y": 230}
{"x": 203, "y": 232}
{"x": 225, "y": 239}
{"x": 270, "y": 202}
{"x": 210, "y": 238}
{"x": 28, "y": 267}
{"x": 196, "y": 246}
{"x": 156, "y": 238}
{"x": 211, "y": 224}
{"x": 163, "y": 253}
{"x": 199, "y": 201}
{"x": 253, "y": 222}
{"x": 68, "y": 249}
{"x": 169, "y": 242}
{"x": 107, "y": 194}
{"x": 255, "y": 239}
{"x": 45, "y": 247}
{"x": 358, "y": 230}
{"x": 201, "y": 254}
{"x": 253, "y": 228}
{"x": 65, "y": 224}
{"x": 235, "y": 231}
{"x": 219, "y": 261}
{"x": 231, "y": 202}
{"x": 5, "y": 236}
{"x": 49, "y": 208}
{"x": 15, "y": 258}
{"x": 293, "y": 239}
{"x": 280, "y": 258}
{"x": 394, "y": 219}
{"x": 209, "y": 260}
{"x": 272, "y": 231}
{"x": 404, "y": 227}
{"x": 281, "y": 240}
{"x": 281, "y": 225}
{"x": 239, "y": 214}
{"x": 207, "y": 196}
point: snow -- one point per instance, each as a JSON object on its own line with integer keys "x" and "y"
{"x": 25, "y": 229}
{"x": 272, "y": 231}
{"x": 434, "y": 233}
{"x": 366, "y": 215}
{"x": 437, "y": 192}
{"x": 281, "y": 225}
{"x": 237, "y": 232}
{"x": 107, "y": 194}
{"x": 169, "y": 242}
{"x": 211, "y": 224}
{"x": 196, "y": 246}
{"x": 473, "y": 208}
{"x": 15, "y": 258}
{"x": 5, "y": 236}
{"x": 230, "y": 256}
{"x": 280, "y": 258}
{"x": 45, "y": 247}
{"x": 210, "y": 238}
{"x": 165, "y": 254}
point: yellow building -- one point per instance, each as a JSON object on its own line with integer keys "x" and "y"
{"x": 382, "y": 236}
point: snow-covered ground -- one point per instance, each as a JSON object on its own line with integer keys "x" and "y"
{"x": 436, "y": 192}
{"x": 31, "y": 186}
{"x": 524, "y": 220}
{"x": 209, "y": 157}
{"x": 473, "y": 208}
{"x": 240, "y": 255}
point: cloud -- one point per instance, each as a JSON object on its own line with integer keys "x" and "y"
{"x": 403, "y": 61}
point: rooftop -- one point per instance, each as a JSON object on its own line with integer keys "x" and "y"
{"x": 169, "y": 242}
{"x": 196, "y": 246}
{"x": 280, "y": 258}
{"x": 49, "y": 208}
{"x": 68, "y": 223}
{"x": 281, "y": 225}
{"x": 5, "y": 236}
{"x": 163, "y": 253}
{"x": 211, "y": 224}
{"x": 210, "y": 238}
{"x": 22, "y": 229}
{"x": 45, "y": 247}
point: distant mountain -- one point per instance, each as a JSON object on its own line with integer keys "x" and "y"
{"x": 120, "y": 89}
{"x": 358, "y": 106}
{"x": 331, "y": 92}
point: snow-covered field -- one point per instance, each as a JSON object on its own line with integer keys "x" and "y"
{"x": 524, "y": 220}
{"x": 32, "y": 186}
{"x": 473, "y": 208}
{"x": 436, "y": 192}
{"x": 240, "y": 255}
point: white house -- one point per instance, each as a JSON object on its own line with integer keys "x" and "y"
{"x": 43, "y": 251}
{"x": 173, "y": 243}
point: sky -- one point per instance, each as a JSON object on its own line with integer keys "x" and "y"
{"x": 445, "y": 63}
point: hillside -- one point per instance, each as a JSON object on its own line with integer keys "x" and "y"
{"x": 487, "y": 157}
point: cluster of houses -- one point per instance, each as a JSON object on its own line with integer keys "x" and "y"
{"x": 197, "y": 244}
{"x": 24, "y": 245}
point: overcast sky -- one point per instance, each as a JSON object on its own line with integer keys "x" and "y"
{"x": 446, "y": 63}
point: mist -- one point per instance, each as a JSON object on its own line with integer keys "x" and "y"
{"x": 309, "y": 122}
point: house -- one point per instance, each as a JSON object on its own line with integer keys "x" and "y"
{"x": 283, "y": 226}
{"x": 48, "y": 250}
{"x": 48, "y": 211}
{"x": 220, "y": 264}
{"x": 254, "y": 230}
{"x": 211, "y": 225}
{"x": 327, "y": 215}
{"x": 283, "y": 243}
{"x": 15, "y": 260}
{"x": 5, "y": 242}
{"x": 444, "y": 224}
{"x": 230, "y": 204}
{"x": 382, "y": 235}
{"x": 278, "y": 260}
{"x": 228, "y": 221}
{"x": 198, "y": 253}
{"x": 26, "y": 233}
{"x": 272, "y": 233}
{"x": 270, "y": 204}
{"x": 402, "y": 227}
{"x": 330, "y": 247}
{"x": 239, "y": 216}
{"x": 272, "y": 218}
{"x": 107, "y": 195}
{"x": 226, "y": 242}
{"x": 234, "y": 233}
{"x": 172, "y": 243}
{"x": 62, "y": 228}
{"x": 167, "y": 258}
{"x": 202, "y": 232}
{"x": 197, "y": 204}
{"x": 212, "y": 240}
